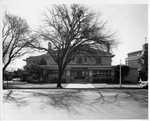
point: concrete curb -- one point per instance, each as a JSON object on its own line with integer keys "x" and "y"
{"x": 5, "y": 88}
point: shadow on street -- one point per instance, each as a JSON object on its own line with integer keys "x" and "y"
{"x": 80, "y": 102}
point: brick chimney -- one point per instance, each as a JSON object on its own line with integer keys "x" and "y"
{"x": 108, "y": 47}
{"x": 49, "y": 45}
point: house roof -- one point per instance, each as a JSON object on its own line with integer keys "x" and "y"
{"x": 135, "y": 52}
{"x": 98, "y": 53}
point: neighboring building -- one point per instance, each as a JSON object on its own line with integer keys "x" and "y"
{"x": 133, "y": 59}
{"x": 80, "y": 69}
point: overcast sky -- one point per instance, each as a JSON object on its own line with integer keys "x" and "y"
{"x": 130, "y": 21}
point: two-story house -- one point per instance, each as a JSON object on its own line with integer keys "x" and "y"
{"x": 80, "y": 69}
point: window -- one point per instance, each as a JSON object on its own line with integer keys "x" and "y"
{"x": 79, "y": 60}
{"x": 53, "y": 73}
{"x": 72, "y": 73}
{"x": 78, "y": 74}
{"x": 98, "y": 60}
{"x": 102, "y": 73}
{"x": 94, "y": 73}
{"x": 84, "y": 59}
{"x": 85, "y": 73}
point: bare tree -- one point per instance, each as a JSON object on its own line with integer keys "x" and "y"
{"x": 15, "y": 38}
{"x": 71, "y": 31}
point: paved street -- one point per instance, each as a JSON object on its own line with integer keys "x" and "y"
{"x": 49, "y": 104}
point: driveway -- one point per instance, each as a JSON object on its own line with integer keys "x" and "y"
{"x": 49, "y": 104}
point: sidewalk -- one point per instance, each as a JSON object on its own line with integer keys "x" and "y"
{"x": 24, "y": 85}
{"x": 117, "y": 86}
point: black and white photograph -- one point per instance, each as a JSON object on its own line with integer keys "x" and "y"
{"x": 74, "y": 60}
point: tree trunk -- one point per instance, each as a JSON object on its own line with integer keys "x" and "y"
{"x": 60, "y": 74}
{"x": 5, "y": 66}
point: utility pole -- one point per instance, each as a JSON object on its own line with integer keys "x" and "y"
{"x": 120, "y": 75}
{"x": 145, "y": 40}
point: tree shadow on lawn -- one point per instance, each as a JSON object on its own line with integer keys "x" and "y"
{"x": 62, "y": 100}
{"x": 103, "y": 99}
{"x": 71, "y": 101}
{"x": 140, "y": 96}
{"x": 74, "y": 101}
{"x": 11, "y": 97}
{"x": 103, "y": 102}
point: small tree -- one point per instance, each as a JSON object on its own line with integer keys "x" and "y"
{"x": 124, "y": 72}
{"x": 144, "y": 69}
{"x": 143, "y": 72}
{"x": 15, "y": 33}
{"x": 70, "y": 32}
{"x": 35, "y": 71}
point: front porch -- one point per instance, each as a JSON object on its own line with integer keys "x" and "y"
{"x": 80, "y": 74}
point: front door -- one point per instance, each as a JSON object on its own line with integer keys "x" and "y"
{"x": 79, "y": 74}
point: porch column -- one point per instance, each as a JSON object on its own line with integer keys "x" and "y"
{"x": 68, "y": 76}
{"x": 113, "y": 74}
{"x": 45, "y": 76}
{"x": 90, "y": 76}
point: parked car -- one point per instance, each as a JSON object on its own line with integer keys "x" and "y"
{"x": 16, "y": 79}
{"x": 144, "y": 84}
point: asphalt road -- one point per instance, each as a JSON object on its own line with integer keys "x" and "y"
{"x": 49, "y": 104}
